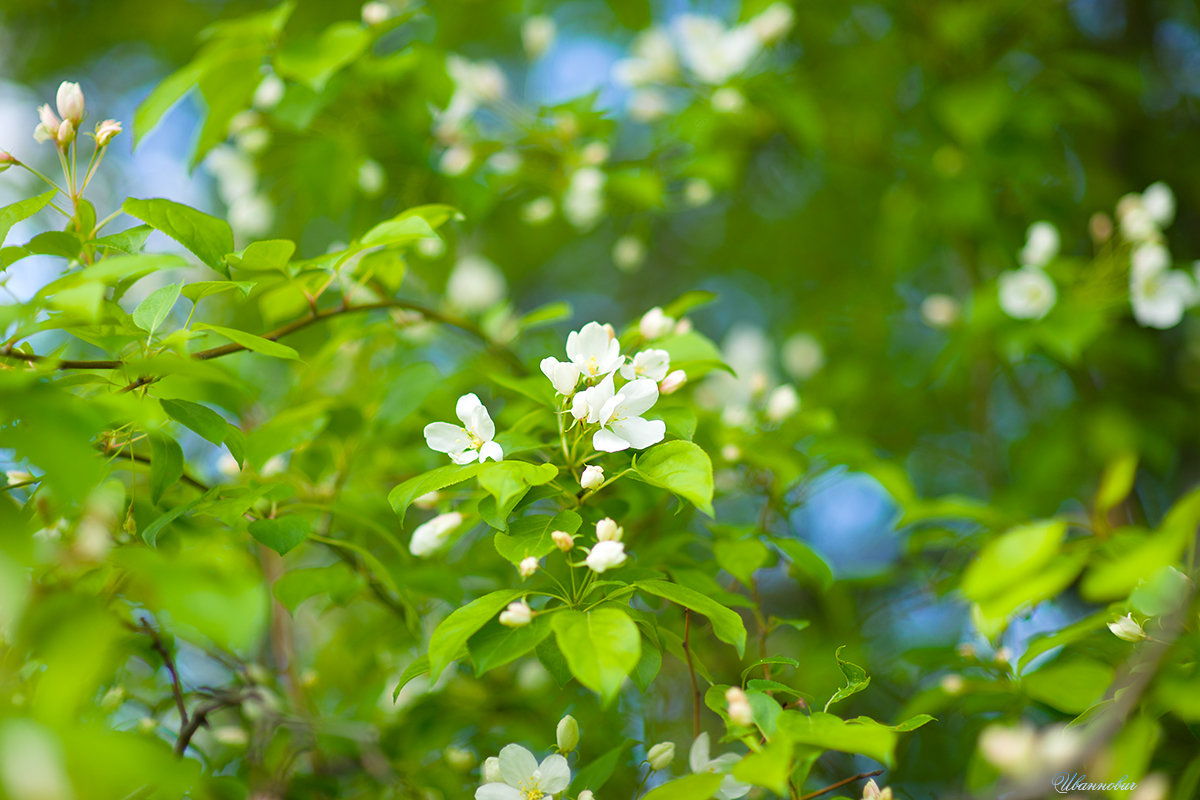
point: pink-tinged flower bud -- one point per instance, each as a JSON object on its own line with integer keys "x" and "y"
{"x": 592, "y": 477}
{"x": 673, "y": 382}
{"x": 48, "y": 117}
{"x": 70, "y": 102}
{"x": 563, "y": 540}
{"x": 606, "y": 556}
{"x": 66, "y": 133}
{"x": 740, "y": 712}
{"x": 7, "y": 160}
{"x": 376, "y": 13}
{"x": 516, "y": 615}
{"x": 528, "y": 566}
{"x": 106, "y": 130}
{"x": 683, "y": 326}
{"x": 610, "y": 330}
{"x": 607, "y": 530}
{"x": 586, "y": 794}
{"x": 655, "y": 324}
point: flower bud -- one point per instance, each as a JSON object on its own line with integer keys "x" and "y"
{"x": 661, "y": 755}
{"x": 586, "y": 794}
{"x": 537, "y": 34}
{"x": 49, "y": 119}
{"x": 605, "y": 556}
{"x": 375, "y": 13}
{"x": 673, "y": 382}
{"x": 610, "y": 330}
{"x": 106, "y": 130}
{"x": 491, "y": 770}
{"x": 872, "y": 791}
{"x": 731, "y": 453}
{"x": 1127, "y": 629}
{"x": 953, "y": 684}
{"x": 459, "y": 758}
{"x": 740, "y": 712}
{"x": 428, "y": 501}
{"x": 7, "y": 160}
{"x": 567, "y": 733}
{"x": 516, "y": 615}
{"x": 782, "y": 403}
{"x": 607, "y": 530}
{"x": 563, "y": 540}
{"x": 592, "y": 477}
{"x": 66, "y": 133}
{"x": 655, "y": 324}
{"x": 70, "y": 102}
{"x": 528, "y": 566}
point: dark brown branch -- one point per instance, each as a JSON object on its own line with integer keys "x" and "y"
{"x": 169, "y": 662}
{"x": 198, "y": 719}
{"x": 841, "y": 783}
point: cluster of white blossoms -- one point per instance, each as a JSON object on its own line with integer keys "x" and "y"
{"x": 700, "y": 761}
{"x": 586, "y": 382}
{"x": 1023, "y": 750}
{"x": 753, "y": 388}
{"x": 60, "y": 125}
{"x": 710, "y": 51}
{"x": 517, "y": 775}
{"x": 1028, "y": 292}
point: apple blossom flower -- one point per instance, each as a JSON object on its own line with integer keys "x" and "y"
{"x": 567, "y": 734}
{"x": 619, "y": 415}
{"x": 648, "y": 105}
{"x": 803, "y": 355}
{"x": 1027, "y": 293}
{"x": 655, "y": 324}
{"x": 673, "y": 382}
{"x": 47, "y": 129}
{"x": 628, "y": 253}
{"x": 605, "y": 556}
{"x": 940, "y": 311}
{"x": 652, "y": 60}
{"x": 713, "y": 52}
{"x": 594, "y": 154}
{"x": 376, "y": 13}
{"x": 563, "y": 540}
{"x": 1137, "y": 224}
{"x": 563, "y": 375}
{"x": 491, "y": 770}
{"x": 515, "y": 615}
{"x": 697, "y": 192}
{"x": 583, "y": 201}
{"x": 66, "y": 133}
{"x": 106, "y": 131}
{"x": 431, "y": 536}
{"x": 524, "y": 778}
{"x": 772, "y": 23}
{"x": 607, "y": 530}
{"x": 952, "y": 684}
{"x": 1149, "y": 257}
{"x": 538, "y": 210}
{"x": 652, "y": 364}
{"x": 70, "y": 102}
{"x": 475, "y": 284}
{"x": 7, "y": 160}
{"x": 371, "y": 177}
{"x": 661, "y": 755}
{"x": 700, "y": 762}
{"x": 470, "y": 443}
{"x": 537, "y": 35}
{"x": 592, "y": 477}
{"x": 728, "y": 100}
{"x": 528, "y": 566}
{"x": 872, "y": 791}
{"x": 1159, "y": 202}
{"x": 594, "y": 351}
{"x": 739, "y": 708}
{"x": 1041, "y": 244}
{"x": 1159, "y": 295}
{"x": 1127, "y": 629}
{"x": 1011, "y": 750}
{"x": 586, "y": 794}
{"x": 782, "y": 403}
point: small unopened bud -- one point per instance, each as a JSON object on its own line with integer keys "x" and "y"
{"x": 491, "y": 770}
{"x": 459, "y": 758}
{"x": 428, "y": 501}
{"x": 528, "y": 566}
{"x": 516, "y": 615}
{"x": 661, "y": 755}
{"x": 537, "y": 34}
{"x": 567, "y": 734}
{"x": 731, "y": 452}
{"x": 673, "y": 382}
{"x": 610, "y": 330}
{"x": 7, "y": 160}
{"x": 740, "y": 712}
{"x": 592, "y": 477}
{"x": 872, "y": 791}
{"x": 782, "y": 403}
{"x": 655, "y": 324}
{"x": 106, "y": 131}
{"x": 586, "y": 794}
{"x": 66, "y": 133}
{"x": 49, "y": 119}
{"x": 70, "y": 102}
{"x": 683, "y": 326}
{"x": 375, "y": 13}
{"x": 15, "y": 476}
{"x": 953, "y": 684}
{"x": 1127, "y": 629}
{"x": 607, "y": 530}
{"x": 563, "y": 540}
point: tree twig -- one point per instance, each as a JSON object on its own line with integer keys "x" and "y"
{"x": 169, "y": 662}
{"x": 687, "y": 652}
{"x": 841, "y": 783}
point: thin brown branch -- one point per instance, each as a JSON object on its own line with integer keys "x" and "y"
{"x": 169, "y": 662}
{"x": 841, "y": 783}
{"x": 687, "y": 652}
{"x": 141, "y": 459}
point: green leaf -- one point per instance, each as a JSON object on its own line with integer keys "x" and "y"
{"x": 496, "y": 645}
{"x": 1012, "y": 557}
{"x": 166, "y": 465}
{"x": 206, "y": 236}
{"x": 314, "y": 60}
{"x": 680, "y": 467}
{"x": 297, "y": 585}
{"x": 596, "y": 774}
{"x": 150, "y": 532}
{"x": 251, "y": 341}
{"x": 129, "y": 241}
{"x": 530, "y": 536}
{"x": 23, "y": 209}
{"x": 508, "y": 481}
{"x": 1116, "y": 483}
{"x": 402, "y": 496}
{"x": 689, "y": 787}
{"x": 418, "y": 667}
{"x": 201, "y": 419}
{"x": 727, "y": 625}
{"x": 601, "y": 646}
{"x": 55, "y": 243}
{"x": 160, "y": 100}
{"x": 805, "y": 561}
{"x": 281, "y": 534}
{"x": 863, "y": 736}
{"x": 153, "y": 310}
{"x": 131, "y": 267}
{"x": 1070, "y": 685}
{"x": 857, "y": 679}
{"x": 402, "y": 229}
{"x": 769, "y": 767}
{"x": 201, "y": 289}
{"x": 740, "y": 557}
{"x": 449, "y": 639}
{"x": 271, "y": 255}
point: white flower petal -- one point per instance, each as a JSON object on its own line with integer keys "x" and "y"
{"x": 608, "y": 442}
{"x": 465, "y": 457}
{"x": 640, "y": 395}
{"x": 517, "y": 764}
{"x": 491, "y": 450}
{"x": 640, "y": 433}
{"x": 555, "y": 774}
{"x": 698, "y": 756}
{"x": 498, "y": 791}
{"x": 446, "y": 438}
{"x": 731, "y": 788}
{"x": 480, "y": 423}
{"x": 466, "y": 406}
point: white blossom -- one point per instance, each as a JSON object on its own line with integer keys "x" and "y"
{"x": 606, "y": 555}
{"x": 594, "y": 351}
{"x": 515, "y": 615}
{"x": 782, "y": 403}
{"x": 592, "y": 477}
{"x": 648, "y": 105}
{"x": 653, "y": 60}
{"x": 872, "y": 791}
{"x": 473, "y": 442}
{"x": 619, "y": 415}
{"x": 728, "y": 100}
{"x": 1012, "y": 750}
{"x": 456, "y": 159}
{"x": 538, "y": 210}
{"x": 607, "y": 530}
{"x": 655, "y": 324}
{"x": 629, "y": 252}
{"x": 376, "y": 13}
{"x": 475, "y": 284}
{"x": 673, "y": 382}
{"x": 583, "y": 202}
{"x": 537, "y": 35}
{"x": 528, "y": 566}
{"x": 563, "y": 375}
{"x": 773, "y": 22}
{"x": 106, "y": 130}
{"x": 525, "y": 779}
{"x": 1159, "y": 202}
{"x": 731, "y": 788}
{"x": 270, "y": 91}
{"x": 70, "y": 102}
{"x": 429, "y": 537}
{"x": 652, "y": 364}
{"x": 1127, "y": 628}
{"x": 1159, "y": 295}
{"x": 1041, "y": 244}
{"x": 1027, "y": 293}
{"x": 697, "y": 192}
{"x": 738, "y": 706}
{"x": 940, "y": 310}
{"x": 711, "y": 51}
